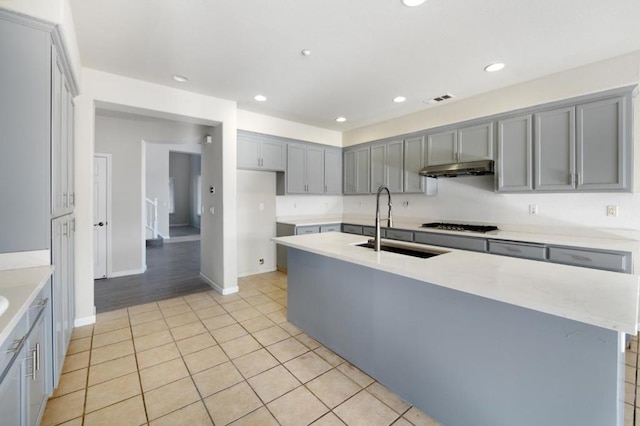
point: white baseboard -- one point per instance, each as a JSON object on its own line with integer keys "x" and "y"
{"x": 261, "y": 271}
{"x": 126, "y": 273}
{"x": 216, "y": 287}
{"x": 79, "y": 322}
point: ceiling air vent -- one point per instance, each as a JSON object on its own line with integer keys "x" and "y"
{"x": 440, "y": 98}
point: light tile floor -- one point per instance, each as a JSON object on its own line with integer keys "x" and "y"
{"x": 208, "y": 359}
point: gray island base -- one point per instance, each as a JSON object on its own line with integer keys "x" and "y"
{"x": 463, "y": 359}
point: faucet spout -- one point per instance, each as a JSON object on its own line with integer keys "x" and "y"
{"x": 376, "y": 241}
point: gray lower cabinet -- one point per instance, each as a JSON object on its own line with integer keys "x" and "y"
{"x": 514, "y": 167}
{"x": 287, "y": 229}
{"x": 356, "y": 171}
{"x": 305, "y": 169}
{"x": 387, "y": 166}
{"x": 352, "y": 229}
{"x": 615, "y": 261}
{"x": 332, "y": 171}
{"x": 25, "y": 376}
{"x": 398, "y": 234}
{"x": 260, "y": 152}
{"x": 453, "y": 241}
{"x": 555, "y": 158}
{"x": 63, "y": 309}
{"x": 603, "y": 156}
{"x": 518, "y": 249}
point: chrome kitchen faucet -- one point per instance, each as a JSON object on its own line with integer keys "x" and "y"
{"x": 376, "y": 241}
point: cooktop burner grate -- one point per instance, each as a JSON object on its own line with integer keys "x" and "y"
{"x": 460, "y": 227}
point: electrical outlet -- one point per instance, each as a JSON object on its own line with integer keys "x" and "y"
{"x": 212, "y": 189}
{"x": 533, "y": 209}
{"x": 261, "y": 261}
{"x": 612, "y": 211}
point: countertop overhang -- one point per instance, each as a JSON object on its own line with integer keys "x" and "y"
{"x": 601, "y": 298}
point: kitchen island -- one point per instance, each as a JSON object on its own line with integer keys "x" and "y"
{"x": 470, "y": 338}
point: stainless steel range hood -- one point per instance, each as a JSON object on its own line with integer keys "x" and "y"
{"x": 474, "y": 168}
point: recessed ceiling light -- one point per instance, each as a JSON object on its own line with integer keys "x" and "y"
{"x": 399, "y": 99}
{"x": 412, "y": 3}
{"x": 341, "y": 119}
{"x": 494, "y": 67}
{"x": 305, "y": 52}
{"x": 180, "y": 78}
{"x": 260, "y": 98}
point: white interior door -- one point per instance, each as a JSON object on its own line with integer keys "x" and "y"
{"x": 100, "y": 182}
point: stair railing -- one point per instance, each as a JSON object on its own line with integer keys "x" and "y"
{"x": 152, "y": 216}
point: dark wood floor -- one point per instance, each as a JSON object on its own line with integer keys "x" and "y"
{"x": 172, "y": 270}
{"x": 181, "y": 231}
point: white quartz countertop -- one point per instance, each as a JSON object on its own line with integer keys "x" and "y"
{"x": 20, "y": 287}
{"x": 601, "y": 298}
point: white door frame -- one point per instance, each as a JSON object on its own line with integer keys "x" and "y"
{"x": 107, "y": 157}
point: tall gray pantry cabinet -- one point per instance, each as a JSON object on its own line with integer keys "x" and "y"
{"x": 37, "y": 184}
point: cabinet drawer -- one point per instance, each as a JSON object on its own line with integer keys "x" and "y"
{"x": 12, "y": 345}
{"x": 370, "y": 231}
{"x": 334, "y": 227}
{"x": 352, "y": 229}
{"x": 616, "y": 261}
{"x": 453, "y": 241}
{"x": 38, "y": 305}
{"x": 302, "y": 230}
{"x": 517, "y": 249}
{"x": 396, "y": 234}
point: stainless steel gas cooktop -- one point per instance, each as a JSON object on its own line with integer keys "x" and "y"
{"x": 460, "y": 227}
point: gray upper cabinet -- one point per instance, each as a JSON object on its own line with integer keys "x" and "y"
{"x": 25, "y": 149}
{"x": 515, "y": 149}
{"x": 464, "y": 144}
{"x": 62, "y": 140}
{"x": 414, "y": 160}
{"x": 602, "y": 154}
{"x": 442, "y": 148}
{"x": 305, "y": 169}
{"x": 554, "y": 147}
{"x": 387, "y": 166}
{"x": 259, "y": 152}
{"x": 356, "y": 171}
{"x": 333, "y": 171}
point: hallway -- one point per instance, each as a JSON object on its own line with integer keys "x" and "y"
{"x": 173, "y": 270}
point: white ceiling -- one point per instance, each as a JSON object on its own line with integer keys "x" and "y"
{"x": 364, "y": 52}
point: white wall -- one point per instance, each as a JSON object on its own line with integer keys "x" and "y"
{"x": 219, "y": 253}
{"x": 309, "y": 205}
{"x": 157, "y": 175}
{"x": 256, "y": 221}
{"x": 472, "y": 198}
{"x": 259, "y": 123}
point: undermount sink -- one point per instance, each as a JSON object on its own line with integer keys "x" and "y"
{"x": 408, "y": 251}
{"x": 4, "y": 304}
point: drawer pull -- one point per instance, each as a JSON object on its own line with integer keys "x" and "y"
{"x": 34, "y": 363}
{"x": 42, "y": 303}
{"x": 513, "y": 249}
{"x": 580, "y": 258}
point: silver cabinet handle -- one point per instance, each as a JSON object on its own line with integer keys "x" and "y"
{"x": 72, "y": 198}
{"x": 65, "y": 199}
{"x": 65, "y": 229}
{"x": 581, "y": 258}
{"x": 513, "y": 249}
{"x": 37, "y": 357}
{"x": 34, "y": 364}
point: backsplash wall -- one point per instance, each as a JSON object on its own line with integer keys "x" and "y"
{"x": 309, "y": 205}
{"x": 472, "y": 199}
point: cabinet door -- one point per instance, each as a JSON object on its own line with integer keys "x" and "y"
{"x": 414, "y": 160}
{"x": 349, "y": 174}
{"x": 272, "y": 155}
{"x": 554, "y": 149}
{"x": 248, "y": 152}
{"x": 59, "y": 294}
{"x": 11, "y": 408}
{"x": 332, "y": 171}
{"x": 36, "y": 373}
{"x": 442, "y": 148}
{"x": 71, "y": 280}
{"x": 378, "y": 167}
{"x": 315, "y": 170}
{"x": 515, "y": 147}
{"x": 601, "y": 149}
{"x": 394, "y": 166}
{"x": 71, "y": 186}
{"x": 296, "y": 164}
{"x": 475, "y": 143}
{"x": 362, "y": 171}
